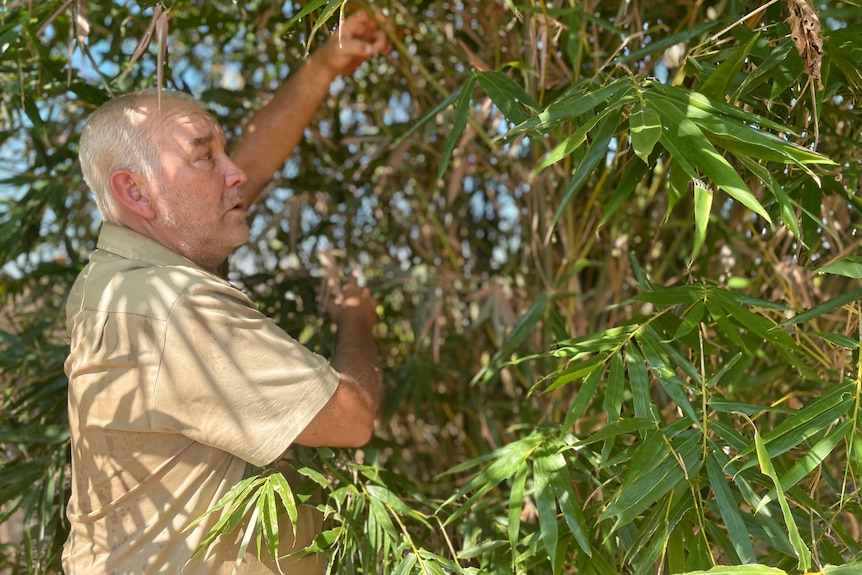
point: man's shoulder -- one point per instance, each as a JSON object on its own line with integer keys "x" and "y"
{"x": 115, "y": 284}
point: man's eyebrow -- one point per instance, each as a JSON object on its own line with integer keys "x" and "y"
{"x": 202, "y": 141}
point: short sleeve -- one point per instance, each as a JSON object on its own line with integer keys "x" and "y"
{"x": 230, "y": 378}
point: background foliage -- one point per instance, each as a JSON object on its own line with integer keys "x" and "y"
{"x": 613, "y": 245}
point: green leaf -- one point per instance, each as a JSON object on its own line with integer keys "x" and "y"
{"x": 639, "y": 378}
{"x": 625, "y": 426}
{"x": 644, "y": 486}
{"x": 728, "y": 507}
{"x": 633, "y": 175}
{"x": 508, "y": 96}
{"x": 405, "y": 567}
{"x": 718, "y": 83}
{"x": 702, "y": 208}
{"x": 583, "y": 398}
{"x": 850, "y": 266}
{"x": 546, "y": 505}
{"x": 553, "y": 485}
{"x": 381, "y": 517}
{"x": 572, "y": 107}
{"x": 462, "y": 110}
{"x": 676, "y": 295}
{"x": 687, "y": 143}
{"x": 690, "y": 321}
{"x": 738, "y": 570}
{"x": 578, "y": 369}
{"x": 854, "y": 568}
{"x": 614, "y": 388}
{"x": 824, "y": 308}
{"x": 507, "y": 461}
{"x": 331, "y": 7}
{"x": 657, "y": 46}
{"x": 281, "y": 487}
{"x": 802, "y": 552}
{"x": 596, "y": 154}
{"x": 572, "y": 142}
{"x": 811, "y": 420}
{"x": 645, "y": 126}
{"x": 814, "y": 458}
{"x": 785, "y": 205}
{"x": 516, "y": 506}
{"x": 269, "y": 518}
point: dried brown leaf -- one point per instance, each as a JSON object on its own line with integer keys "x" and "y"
{"x": 82, "y": 21}
{"x": 144, "y": 41}
{"x": 162, "y": 36}
{"x": 805, "y": 31}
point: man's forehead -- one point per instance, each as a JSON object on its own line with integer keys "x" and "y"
{"x": 179, "y": 120}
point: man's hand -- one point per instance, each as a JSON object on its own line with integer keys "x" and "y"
{"x": 358, "y": 38}
{"x": 352, "y": 303}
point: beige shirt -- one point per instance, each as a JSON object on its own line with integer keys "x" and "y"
{"x": 176, "y": 384}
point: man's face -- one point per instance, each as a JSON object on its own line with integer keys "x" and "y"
{"x": 200, "y": 210}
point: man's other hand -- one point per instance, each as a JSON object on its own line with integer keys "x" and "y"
{"x": 359, "y": 37}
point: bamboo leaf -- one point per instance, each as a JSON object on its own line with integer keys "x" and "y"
{"x": 813, "y": 459}
{"x": 508, "y": 96}
{"x": 572, "y": 107}
{"x": 803, "y": 554}
{"x": 381, "y": 517}
{"x": 462, "y": 110}
{"x": 718, "y": 83}
{"x": 282, "y": 488}
{"x": 269, "y": 519}
{"x": 850, "y": 266}
{"x": 738, "y": 570}
{"x": 572, "y": 142}
{"x": 633, "y": 175}
{"x": 508, "y": 460}
{"x": 644, "y": 488}
{"x": 405, "y": 567}
{"x": 702, "y": 208}
{"x": 807, "y": 422}
{"x": 639, "y": 378}
{"x": 785, "y": 206}
{"x": 546, "y": 505}
{"x": 687, "y": 142}
{"x": 585, "y": 394}
{"x": 625, "y": 426}
{"x": 596, "y": 153}
{"x": 665, "y": 42}
{"x": 711, "y": 108}
{"x": 579, "y": 369}
{"x": 824, "y": 308}
{"x": 516, "y": 506}
{"x": 246, "y": 539}
{"x": 614, "y": 388}
{"x": 676, "y": 295}
{"x": 730, "y": 513}
{"x": 646, "y": 129}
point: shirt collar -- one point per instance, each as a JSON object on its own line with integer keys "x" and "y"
{"x": 130, "y": 244}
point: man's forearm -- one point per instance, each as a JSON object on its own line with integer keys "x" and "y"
{"x": 274, "y": 131}
{"x": 357, "y": 359}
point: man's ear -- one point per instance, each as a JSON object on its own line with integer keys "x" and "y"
{"x": 132, "y": 192}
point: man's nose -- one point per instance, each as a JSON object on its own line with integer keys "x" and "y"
{"x": 234, "y": 176}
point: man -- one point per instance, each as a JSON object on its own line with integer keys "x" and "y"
{"x": 178, "y": 386}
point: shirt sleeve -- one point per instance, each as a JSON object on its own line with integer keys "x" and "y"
{"x": 230, "y": 378}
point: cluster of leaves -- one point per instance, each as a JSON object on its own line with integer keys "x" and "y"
{"x": 594, "y": 231}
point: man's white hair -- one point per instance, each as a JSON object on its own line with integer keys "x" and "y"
{"x": 116, "y": 138}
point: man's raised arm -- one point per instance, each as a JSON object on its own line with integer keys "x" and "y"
{"x": 273, "y": 132}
